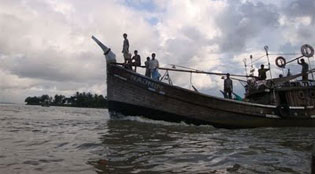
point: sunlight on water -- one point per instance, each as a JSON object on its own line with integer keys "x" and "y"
{"x": 36, "y": 139}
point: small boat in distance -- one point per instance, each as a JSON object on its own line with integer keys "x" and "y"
{"x": 277, "y": 102}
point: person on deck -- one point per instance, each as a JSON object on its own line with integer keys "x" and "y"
{"x": 289, "y": 73}
{"x": 153, "y": 66}
{"x": 262, "y": 72}
{"x": 147, "y": 69}
{"x": 125, "y": 49}
{"x": 128, "y": 63}
{"x": 228, "y": 86}
{"x": 136, "y": 60}
{"x": 304, "y": 69}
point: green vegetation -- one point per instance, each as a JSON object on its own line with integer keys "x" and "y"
{"x": 87, "y": 100}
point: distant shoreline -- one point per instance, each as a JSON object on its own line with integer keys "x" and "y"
{"x": 69, "y": 106}
{"x": 7, "y": 103}
{"x": 80, "y": 100}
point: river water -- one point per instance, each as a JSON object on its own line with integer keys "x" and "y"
{"x": 36, "y": 139}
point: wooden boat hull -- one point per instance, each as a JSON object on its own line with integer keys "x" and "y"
{"x": 133, "y": 94}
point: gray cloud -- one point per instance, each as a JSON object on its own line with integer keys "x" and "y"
{"x": 301, "y": 8}
{"x": 53, "y": 66}
{"x": 241, "y": 22}
{"x": 306, "y": 9}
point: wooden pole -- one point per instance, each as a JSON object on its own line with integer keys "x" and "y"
{"x": 273, "y": 91}
{"x": 310, "y": 67}
{"x": 293, "y": 60}
{"x": 244, "y": 61}
{"x": 267, "y": 54}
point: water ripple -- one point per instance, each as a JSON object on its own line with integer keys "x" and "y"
{"x": 36, "y": 139}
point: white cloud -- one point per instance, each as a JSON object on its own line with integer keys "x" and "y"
{"x": 45, "y": 45}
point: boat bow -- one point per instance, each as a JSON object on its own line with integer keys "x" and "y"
{"x": 109, "y": 55}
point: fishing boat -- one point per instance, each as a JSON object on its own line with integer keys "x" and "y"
{"x": 277, "y": 102}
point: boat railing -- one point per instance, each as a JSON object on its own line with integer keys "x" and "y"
{"x": 300, "y": 83}
{"x": 190, "y": 71}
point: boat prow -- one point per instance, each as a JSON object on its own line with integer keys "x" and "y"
{"x": 109, "y": 55}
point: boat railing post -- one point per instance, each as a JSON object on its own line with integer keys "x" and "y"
{"x": 267, "y": 54}
{"x": 251, "y": 71}
{"x": 190, "y": 86}
{"x": 310, "y": 67}
{"x": 313, "y": 160}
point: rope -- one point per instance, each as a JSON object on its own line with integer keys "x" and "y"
{"x": 173, "y": 65}
{"x": 276, "y": 54}
{"x": 258, "y": 59}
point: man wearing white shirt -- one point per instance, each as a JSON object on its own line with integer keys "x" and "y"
{"x": 125, "y": 49}
{"x": 153, "y": 66}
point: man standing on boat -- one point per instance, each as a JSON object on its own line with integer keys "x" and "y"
{"x": 262, "y": 72}
{"x": 136, "y": 60}
{"x": 228, "y": 86}
{"x": 304, "y": 69}
{"x": 147, "y": 68}
{"x": 125, "y": 49}
{"x": 153, "y": 66}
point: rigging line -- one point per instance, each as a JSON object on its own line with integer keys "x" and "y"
{"x": 183, "y": 67}
{"x": 258, "y": 59}
{"x": 203, "y": 72}
{"x": 275, "y": 54}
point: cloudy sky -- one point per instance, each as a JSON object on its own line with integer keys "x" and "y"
{"x": 46, "y": 46}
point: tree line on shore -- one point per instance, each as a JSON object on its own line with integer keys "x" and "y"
{"x": 88, "y": 100}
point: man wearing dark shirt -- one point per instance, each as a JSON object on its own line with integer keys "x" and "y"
{"x": 262, "y": 72}
{"x": 147, "y": 69}
{"x": 228, "y": 86}
{"x": 136, "y": 60}
{"x": 304, "y": 69}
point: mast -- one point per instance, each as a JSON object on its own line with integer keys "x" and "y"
{"x": 252, "y": 69}
{"x": 267, "y": 54}
{"x": 244, "y": 60}
{"x": 273, "y": 91}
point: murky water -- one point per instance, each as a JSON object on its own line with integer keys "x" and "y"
{"x": 36, "y": 139}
